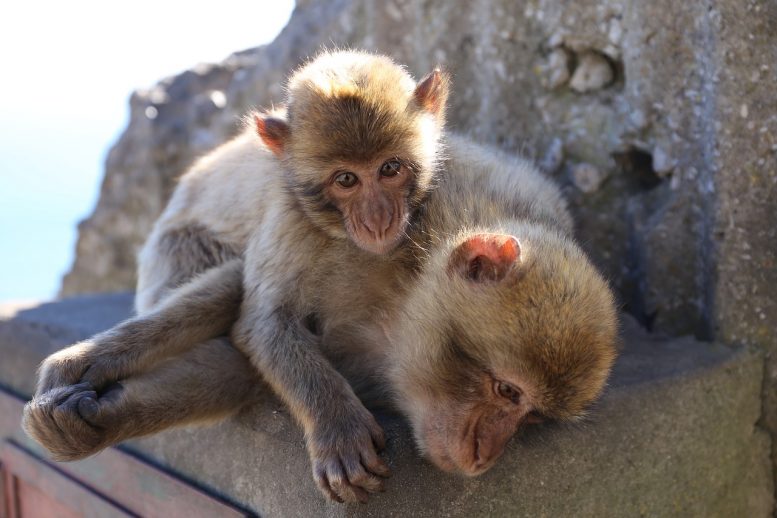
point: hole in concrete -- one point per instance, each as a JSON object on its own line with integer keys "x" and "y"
{"x": 638, "y": 164}
{"x": 618, "y": 70}
{"x": 593, "y": 70}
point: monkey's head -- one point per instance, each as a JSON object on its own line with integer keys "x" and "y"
{"x": 501, "y": 330}
{"x": 360, "y": 143}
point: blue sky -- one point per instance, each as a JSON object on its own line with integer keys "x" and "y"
{"x": 68, "y": 70}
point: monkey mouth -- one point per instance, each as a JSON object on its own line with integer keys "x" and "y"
{"x": 378, "y": 245}
{"x": 460, "y": 452}
{"x": 469, "y": 467}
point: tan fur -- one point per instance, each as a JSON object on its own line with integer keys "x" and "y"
{"x": 321, "y": 317}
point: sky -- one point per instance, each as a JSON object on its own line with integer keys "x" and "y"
{"x": 68, "y": 71}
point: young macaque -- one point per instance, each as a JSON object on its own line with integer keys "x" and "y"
{"x": 468, "y": 305}
{"x": 342, "y": 170}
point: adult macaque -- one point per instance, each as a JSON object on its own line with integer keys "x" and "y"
{"x": 468, "y": 302}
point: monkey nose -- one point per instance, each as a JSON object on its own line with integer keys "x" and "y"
{"x": 377, "y": 223}
{"x": 485, "y": 453}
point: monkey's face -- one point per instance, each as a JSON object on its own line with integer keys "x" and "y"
{"x": 362, "y": 169}
{"x": 467, "y": 429}
{"x": 362, "y": 185}
{"x": 504, "y": 331}
{"x": 358, "y": 182}
{"x": 372, "y": 201}
{"x": 360, "y": 142}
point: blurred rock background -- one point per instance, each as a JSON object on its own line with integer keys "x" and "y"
{"x": 658, "y": 118}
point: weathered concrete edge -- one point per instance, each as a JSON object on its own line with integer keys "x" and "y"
{"x": 690, "y": 368}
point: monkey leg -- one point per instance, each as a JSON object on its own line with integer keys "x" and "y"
{"x": 211, "y": 381}
{"x": 203, "y": 308}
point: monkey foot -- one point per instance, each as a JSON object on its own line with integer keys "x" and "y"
{"x": 66, "y": 421}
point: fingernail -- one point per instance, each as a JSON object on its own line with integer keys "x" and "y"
{"x": 87, "y": 407}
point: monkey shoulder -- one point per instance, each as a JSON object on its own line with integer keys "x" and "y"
{"x": 216, "y": 206}
{"x": 229, "y": 191}
{"x": 488, "y": 179}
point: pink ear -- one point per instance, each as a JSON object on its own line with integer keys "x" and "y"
{"x": 485, "y": 257}
{"x": 273, "y": 132}
{"x": 431, "y": 93}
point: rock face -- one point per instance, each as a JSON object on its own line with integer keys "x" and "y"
{"x": 659, "y": 119}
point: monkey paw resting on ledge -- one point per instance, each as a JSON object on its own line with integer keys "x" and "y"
{"x": 346, "y": 258}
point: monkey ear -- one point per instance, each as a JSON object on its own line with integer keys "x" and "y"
{"x": 273, "y": 131}
{"x": 431, "y": 93}
{"x": 485, "y": 257}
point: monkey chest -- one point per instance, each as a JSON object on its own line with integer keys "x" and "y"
{"x": 350, "y": 305}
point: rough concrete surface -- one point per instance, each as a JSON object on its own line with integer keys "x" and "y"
{"x": 675, "y": 435}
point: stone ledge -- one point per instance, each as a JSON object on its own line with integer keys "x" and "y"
{"x": 676, "y": 434}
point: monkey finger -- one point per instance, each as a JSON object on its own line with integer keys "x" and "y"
{"x": 68, "y": 410}
{"x": 359, "y": 477}
{"x": 372, "y": 461}
{"x": 70, "y": 419}
{"x": 319, "y": 475}
{"x": 99, "y": 375}
{"x": 88, "y": 408}
{"x": 340, "y": 484}
{"x": 101, "y": 412}
{"x": 59, "y": 395}
{"x": 54, "y": 421}
{"x": 378, "y": 436}
{"x": 80, "y": 434}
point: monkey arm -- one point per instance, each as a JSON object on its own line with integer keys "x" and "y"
{"x": 210, "y": 381}
{"x": 203, "y": 308}
{"x": 342, "y": 435}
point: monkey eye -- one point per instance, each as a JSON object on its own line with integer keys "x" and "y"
{"x": 346, "y": 179}
{"x": 507, "y": 391}
{"x": 390, "y": 168}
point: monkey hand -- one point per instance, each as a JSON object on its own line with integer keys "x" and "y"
{"x": 98, "y": 361}
{"x": 71, "y": 422}
{"x": 63, "y": 368}
{"x": 344, "y": 454}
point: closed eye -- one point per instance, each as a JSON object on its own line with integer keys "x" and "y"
{"x": 508, "y": 392}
